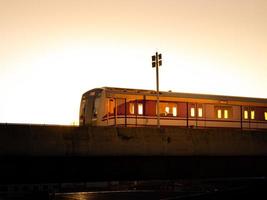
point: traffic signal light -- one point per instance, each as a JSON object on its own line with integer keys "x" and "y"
{"x": 156, "y": 59}
{"x": 160, "y": 60}
{"x": 153, "y": 61}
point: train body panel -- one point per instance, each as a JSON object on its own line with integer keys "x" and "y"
{"x": 132, "y": 107}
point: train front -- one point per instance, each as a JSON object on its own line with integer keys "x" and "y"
{"x": 89, "y": 105}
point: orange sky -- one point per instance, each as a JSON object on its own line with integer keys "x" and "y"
{"x": 51, "y": 51}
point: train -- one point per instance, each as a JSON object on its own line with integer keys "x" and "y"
{"x": 111, "y": 106}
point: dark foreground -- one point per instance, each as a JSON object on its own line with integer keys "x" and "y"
{"x": 242, "y": 188}
{"x": 31, "y": 170}
{"x": 101, "y": 178}
{"x": 59, "y": 162}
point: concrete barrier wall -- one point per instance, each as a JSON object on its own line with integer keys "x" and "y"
{"x": 39, "y": 140}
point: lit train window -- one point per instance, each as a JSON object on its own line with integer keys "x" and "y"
{"x": 265, "y": 115}
{"x": 162, "y": 108}
{"x": 174, "y": 111}
{"x": 225, "y": 116}
{"x": 200, "y": 112}
{"x": 219, "y": 114}
{"x": 252, "y": 114}
{"x": 140, "y": 109}
{"x": 167, "y": 110}
{"x": 192, "y": 112}
{"x": 131, "y": 108}
{"x": 224, "y": 112}
{"x": 245, "y": 114}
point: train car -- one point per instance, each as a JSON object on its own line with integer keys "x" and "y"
{"x": 109, "y": 106}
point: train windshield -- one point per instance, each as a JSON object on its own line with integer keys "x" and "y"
{"x": 96, "y": 103}
{"x": 89, "y": 107}
{"x": 96, "y": 107}
{"x": 82, "y": 111}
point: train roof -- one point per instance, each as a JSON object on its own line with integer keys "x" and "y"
{"x": 182, "y": 95}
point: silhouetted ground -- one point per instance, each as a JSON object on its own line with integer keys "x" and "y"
{"x": 252, "y": 188}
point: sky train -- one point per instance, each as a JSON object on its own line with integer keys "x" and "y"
{"x": 109, "y": 106}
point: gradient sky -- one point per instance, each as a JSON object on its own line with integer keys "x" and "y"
{"x": 52, "y": 51}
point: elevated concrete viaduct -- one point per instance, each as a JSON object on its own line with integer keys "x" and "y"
{"x": 51, "y": 153}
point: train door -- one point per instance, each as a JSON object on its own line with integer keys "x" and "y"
{"x": 120, "y": 112}
{"x": 131, "y": 117}
{"x": 246, "y": 117}
{"x": 192, "y": 115}
{"x": 141, "y": 121}
{"x": 134, "y": 113}
{"x": 111, "y": 119}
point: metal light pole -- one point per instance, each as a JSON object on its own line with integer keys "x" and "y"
{"x": 156, "y": 62}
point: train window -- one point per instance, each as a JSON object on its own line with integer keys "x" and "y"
{"x": 111, "y": 105}
{"x": 225, "y": 114}
{"x": 252, "y": 114}
{"x": 131, "y": 108}
{"x": 140, "y": 109}
{"x": 265, "y": 115}
{"x": 200, "y": 112}
{"x": 96, "y": 107}
{"x": 167, "y": 110}
{"x": 219, "y": 113}
{"x": 174, "y": 111}
{"x": 161, "y": 108}
{"x": 95, "y": 112}
{"x": 192, "y": 112}
{"x": 82, "y": 109}
{"x": 164, "y": 109}
{"x": 92, "y": 93}
{"x": 245, "y": 114}
{"x": 82, "y": 112}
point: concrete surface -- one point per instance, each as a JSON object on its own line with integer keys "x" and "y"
{"x": 53, "y": 140}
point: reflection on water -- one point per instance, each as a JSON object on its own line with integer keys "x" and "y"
{"x": 117, "y": 195}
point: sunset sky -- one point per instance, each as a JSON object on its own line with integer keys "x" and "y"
{"x": 52, "y": 51}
